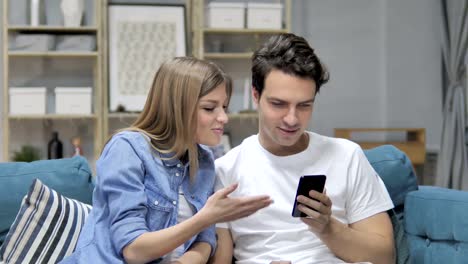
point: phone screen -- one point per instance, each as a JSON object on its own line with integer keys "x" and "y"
{"x": 306, "y": 184}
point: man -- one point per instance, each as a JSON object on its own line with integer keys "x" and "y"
{"x": 348, "y": 221}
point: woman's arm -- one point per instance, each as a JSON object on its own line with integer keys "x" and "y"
{"x": 152, "y": 245}
{"x": 219, "y": 208}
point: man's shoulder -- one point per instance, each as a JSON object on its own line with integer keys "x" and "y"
{"x": 232, "y": 155}
{"x": 333, "y": 143}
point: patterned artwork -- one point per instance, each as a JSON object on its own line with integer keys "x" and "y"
{"x": 141, "y": 38}
{"x": 142, "y": 47}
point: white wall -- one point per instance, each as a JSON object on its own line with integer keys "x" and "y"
{"x": 414, "y": 66}
{"x": 384, "y": 60}
{"x": 348, "y": 38}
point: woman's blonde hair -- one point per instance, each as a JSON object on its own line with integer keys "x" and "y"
{"x": 169, "y": 117}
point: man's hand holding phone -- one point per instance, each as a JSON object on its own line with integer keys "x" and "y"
{"x": 317, "y": 209}
{"x": 312, "y": 203}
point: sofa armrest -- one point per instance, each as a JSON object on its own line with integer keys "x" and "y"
{"x": 436, "y": 223}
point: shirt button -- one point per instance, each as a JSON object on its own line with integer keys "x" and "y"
{"x": 178, "y": 165}
{"x": 177, "y": 174}
{"x": 174, "y": 202}
{"x": 156, "y": 202}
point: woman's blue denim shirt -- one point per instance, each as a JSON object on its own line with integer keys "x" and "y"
{"x": 136, "y": 192}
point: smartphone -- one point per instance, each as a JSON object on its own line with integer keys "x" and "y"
{"x": 306, "y": 184}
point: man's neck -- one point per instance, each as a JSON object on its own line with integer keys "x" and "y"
{"x": 279, "y": 150}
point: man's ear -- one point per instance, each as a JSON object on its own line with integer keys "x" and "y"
{"x": 255, "y": 96}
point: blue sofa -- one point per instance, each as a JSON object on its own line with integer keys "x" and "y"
{"x": 71, "y": 177}
{"x": 435, "y": 219}
{"x": 431, "y": 224}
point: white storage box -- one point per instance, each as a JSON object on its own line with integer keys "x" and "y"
{"x": 264, "y": 15}
{"x": 225, "y": 15}
{"x": 27, "y": 101}
{"x": 32, "y": 42}
{"x": 73, "y": 100}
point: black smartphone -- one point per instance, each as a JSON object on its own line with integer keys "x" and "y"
{"x": 306, "y": 184}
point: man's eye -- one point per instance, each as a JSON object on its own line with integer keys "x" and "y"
{"x": 277, "y": 103}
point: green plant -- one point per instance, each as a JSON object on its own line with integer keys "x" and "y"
{"x": 27, "y": 154}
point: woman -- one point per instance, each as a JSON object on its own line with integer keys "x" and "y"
{"x": 152, "y": 198}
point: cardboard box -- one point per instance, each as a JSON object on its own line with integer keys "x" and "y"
{"x": 27, "y": 100}
{"x": 73, "y": 100}
{"x": 264, "y": 15}
{"x": 225, "y": 15}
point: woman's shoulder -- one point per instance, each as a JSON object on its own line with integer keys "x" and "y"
{"x": 205, "y": 156}
{"x": 128, "y": 140}
{"x": 132, "y": 137}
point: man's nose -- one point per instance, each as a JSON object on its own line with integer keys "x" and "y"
{"x": 291, "y": 117}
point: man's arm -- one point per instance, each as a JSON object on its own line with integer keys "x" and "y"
{"x": 370, "y": 239}
{"x": 225, "y": 247}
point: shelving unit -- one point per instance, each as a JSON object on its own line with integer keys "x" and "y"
{"x": 52, "y": 54}
{"x": 53, "y": 29}
{"x": 414, "y": 144}
{"x": 101, "y": 123}
{"x": 227, "y": 55}
{"x": 236, "y": 62}
{"x": 52, "y": 116}
{"x": 200, "y": 33}
{"x": 42, "y": 124}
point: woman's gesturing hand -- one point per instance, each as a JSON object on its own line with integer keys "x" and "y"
{"x": 222, "y": 208}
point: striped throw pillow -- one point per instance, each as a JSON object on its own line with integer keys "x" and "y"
{"x": 46, "y": 228}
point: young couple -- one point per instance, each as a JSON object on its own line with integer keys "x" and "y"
{"x": 159, "y": 193}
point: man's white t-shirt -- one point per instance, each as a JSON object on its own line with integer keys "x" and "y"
{"x": 355, "y": 189}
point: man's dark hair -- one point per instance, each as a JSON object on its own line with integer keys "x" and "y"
{"x": 290, "y": 54}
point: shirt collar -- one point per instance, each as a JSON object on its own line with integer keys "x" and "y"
{"x": 169, "y": 159}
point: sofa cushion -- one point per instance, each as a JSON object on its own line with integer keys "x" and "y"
{"x": 436, "y": 221}
{"x": 46, "y": 228}
{"x": 70, "y": 177}
{"x": 396, "y": 171}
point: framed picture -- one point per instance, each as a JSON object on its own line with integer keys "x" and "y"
{"x": 141, "y": 38}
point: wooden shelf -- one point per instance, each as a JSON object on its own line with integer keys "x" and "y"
{"x": 84, "y": 54}
{"x": 231, "y": 55}
{"x": 123, "y": 115}
{"x": 52, "y": 116}
{"x": 414, "y": 144}
{"x": 63, "y": 58}
{"x": 230, "y": 115}
{"x": 349, "y": 130}
{"x": 243, "y": 115}
{"x": 243, "y": 31}
{"x": 53, "y": 29}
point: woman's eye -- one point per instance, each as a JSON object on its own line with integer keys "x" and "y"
{"x": 209, "y": 109}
